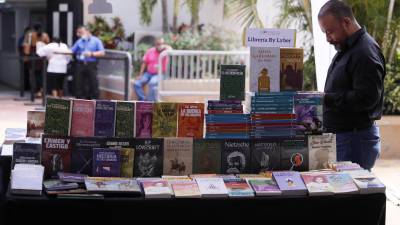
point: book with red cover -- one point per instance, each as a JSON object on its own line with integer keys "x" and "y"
{"x": 82, "y": 123}
{"x": 144, "y": 119}
{"x": 56, "y": 155}
{"x": 191, "y": 120}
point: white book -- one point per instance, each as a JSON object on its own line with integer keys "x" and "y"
{"x": 156, "y": 189}
{"x": 212, "y": 187}
{"x": 367, "y": 182}
{"x": 264, "y": 69}
{"x": 322, "y": 150}
{"x": 27, "y": 179}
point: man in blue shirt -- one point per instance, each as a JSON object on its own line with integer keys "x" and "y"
{"x": 87, "y": 49}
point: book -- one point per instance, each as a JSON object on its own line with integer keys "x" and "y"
{"x": 56, "y": 155}
{"x": 106, "y": 162}
{"x": 265, "y": 155}
{"x": 71, "y": 177}
{"x": 294, "y": 154}
{"x": 264, "y": 186}
{"x": 156, "y": 189}
{"x": 290, "y": 182}
{"x": 191, "y": 120}
{"x": 235, "y": 156}
{"x": 291, "y": 69}
{"x": 80, "y": 196}
{"x": 165, "y": 118}
{"x": 113, "y": 185}
{"x": 57, "y": 117}
{"x": 322, "y": 150}
{"x": 27, "y": 179}
{"x": 148, "y": 160}
{"x": 125, "y": 119}
{"x": 127, "y": 157}
{"x": 70, "y": 191}
{"x": 212, "y": 187}
{"x": 26, "y": 153}
{"x": 264, "y": 69}
{"x": 104, "y": 123}
{"x": 186, "y": 189}
{"x": 232, "y": 82}
{"x": 342, "y": 183}
{"x": 309, "y": 112}
{"x": 207, "y": 156}
{"x": 367, "y": 182}
{"x": 178, "y": 156}
{"x": 56, "y": 185}
{"x": 144, "y": 119}
{"x": 82, "y": 121}
{"x": 317, "y": 183}
{"x": 35, "y": 123}
{"x": 238, "y": 188}
{"x": 171, "y": 178}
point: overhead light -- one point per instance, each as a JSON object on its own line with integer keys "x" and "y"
{"x": 99, "y": 7}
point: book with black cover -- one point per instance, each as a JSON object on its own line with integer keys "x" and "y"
{"x": 265, "y": 154}
{"x": 235, "y": 156}
{"x": 148, "y": 161}
{"x": 294, "y": 154}
{"x": 27, "y": 153}
{"x": 56, "y": 155}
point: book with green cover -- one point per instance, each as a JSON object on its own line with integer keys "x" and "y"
{"x": 206, "y": 156}
{"x": 57, "y": 117}
{"x": 127, "y": 156}
{"x": 125, "y": 119}
{"x": 232, "y": 83}
{"x": 165, "y": 120}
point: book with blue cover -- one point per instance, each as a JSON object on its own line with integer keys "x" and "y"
{"x": 290, "y": 182}
{"x": 106, "y": 162}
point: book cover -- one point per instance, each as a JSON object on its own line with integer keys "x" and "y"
{"x": 191, "y": 120}
{"x": 54, "y": 185}
{"x": 264, "y": 186}
{"x": 317, "y": 183}
{"x": 144, "y": 119}
{"x": 127, "y": 156}
{"x": 114, "y": 185}
{"x": 212, "y": 187}
{"x": 235, "y": 156}
{"x": 290, "y": 182}
{"x": 291, "y": 69}
{"x": 57, "y": 117}
{"x": 56, "y": 155}
{"x": 71, "y": 177}
{"x": 294, "y": 154}
{"x": 367, "y": 182}
{"x": 238, "y": 187}
{"x": 206, "y": 156}
{"x": 156, "y": 189}
{"x": 265, "y": 155}
{"x": 125, "y": 119}
{"x": 35, "y": 123}
{"x": 82, "y": 154}
{"x": 165, "y": 118}
{"x": 322, "y": 150}
{"x": 342, "y": 183}
{"x": 186, "y": 189}
{"x": 104, "y": 124}
{"x": 106, "y": 162}
{"x": 232, "y": 82}
{"x": 27, "y": 153}
{"x": 264, "y": 69}
{"x": 82, "y": 122}
{"x": 309, "y": 113}
{"x": 148, "y": 160}
{"x": 178, "y": 156}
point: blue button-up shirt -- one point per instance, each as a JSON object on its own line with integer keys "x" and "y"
{"x": 93, "y": 44}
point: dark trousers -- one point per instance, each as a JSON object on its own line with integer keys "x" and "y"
{"x": 86, "y": 83}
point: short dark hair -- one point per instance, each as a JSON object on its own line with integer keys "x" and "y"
{"x": 82, "y": 27}
{"x": 337, "y": 8}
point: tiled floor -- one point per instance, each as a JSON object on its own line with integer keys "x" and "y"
{"x": 13, "y": 114}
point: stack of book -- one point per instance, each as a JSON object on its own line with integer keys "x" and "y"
{"x": 272, "y": 115}
{"x": 219, "y": 126}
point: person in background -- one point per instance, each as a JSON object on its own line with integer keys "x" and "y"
{"x": 23, "y": 60}
{"x": 149, "y": 71}
{"x": 87, "y": 49}
{"x": 57, "y": 55}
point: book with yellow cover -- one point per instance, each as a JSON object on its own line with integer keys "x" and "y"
{"x": 164, "y": 120}
{"x": 291, "y": 69}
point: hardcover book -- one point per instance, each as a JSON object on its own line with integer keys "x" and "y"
{"x": 264, "y": 69}
{"x": 57, "y": 117}
{"x": 178, "y": 156}
{"x": 144, "y": 119}
{"x": 264, "y": 186}
{"x": 291, "y": 69}
{"x": 317, "y": 183}
{"x": 191, "y": 120}
{"x": 156, "y": 189}
{"x": 56, "y": 155}
{"x": 112, "y": 185}
{"x": 206, "y": 156}
{"x": 290, "y": 182}
{"x": 186, "y": 189}
{"x": 104, "y": 125}
{"x": 26, "y": 153}
{"x": 309, "y": 113}
{"x": 106, "y": 162}
{"x": 148, "y": 160}
{"x": 127, "y": 156}
{"x": 265, "y": 155}
{"x": 322, "y": 150}
{"x": 236, "y": 156}
{"x": 238, "y": 188}
{"x": 232, "y": 82}
{"x": 125, "y": 119}
{"x": 82, "y": 124}
{"x": 212, "y": 187}
{"x": 294, "y": 154}
{"x": 165, "y": 118}
{"x": 35, "y": 123}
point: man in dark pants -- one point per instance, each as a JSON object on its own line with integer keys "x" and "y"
{"x": 354, "y": 86}
{"x": 87, "y": 49}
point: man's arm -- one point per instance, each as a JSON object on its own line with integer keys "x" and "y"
{"x": 367, "y": 86}
{"x": 142, "y": 69}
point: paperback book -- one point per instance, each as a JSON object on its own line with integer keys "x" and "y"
{"x": 144, "y": 119}
{"x": 26, "y": 153}
{"x": 266, "y": 155}
{"x": 264, "y": 186}
{"x": 191, "y": 120}
{"x": 148, "y": 160}
{"x": 232, "y": 82}
{"x": 290, "y": 182}
{"x": 291, "y": 69}
{"x": 264, "y": 69}
{"x": 106, "y": 162}
{"x": 58, "y": 117}
{"x": 56, "y": 155}
{"x": 238, "y": 187}
{"x": 35, "y": 123}
{"x": 322, "y": 150}
{"x": 112, "y": 185}
{"x": 83, "y": 113}
{"x": 236, "y": 156}
{"x": 165, "y": 118}
{"x": 178, "y": 156}
{"x": 207, "y": 155}
{"x": 104, "y": 124}
{"x": 125, "y": 119}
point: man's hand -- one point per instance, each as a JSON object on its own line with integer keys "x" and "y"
{"x": 88, "y": 54}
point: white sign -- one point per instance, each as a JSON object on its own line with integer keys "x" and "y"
{"x": 280, "y": 38}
